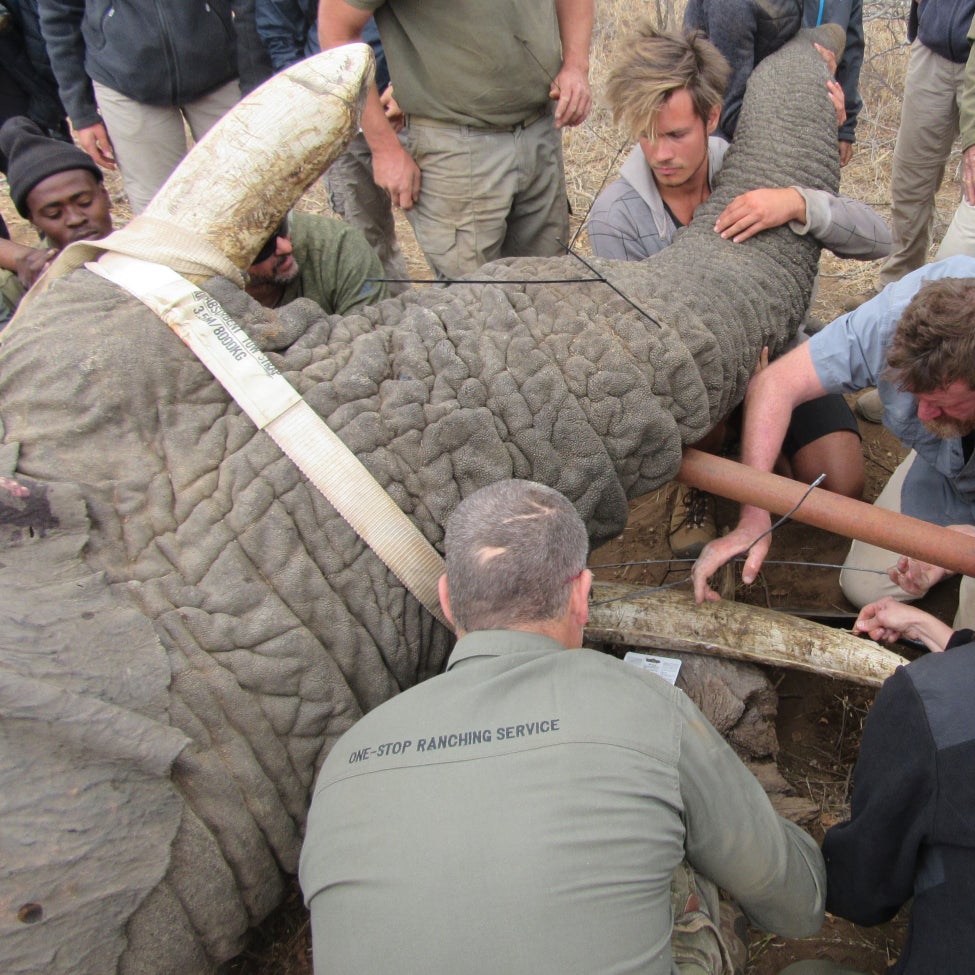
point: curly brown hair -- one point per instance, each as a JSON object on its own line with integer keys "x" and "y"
{"x": 934, "y": 344}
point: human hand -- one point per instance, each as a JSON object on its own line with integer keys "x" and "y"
{"x": 889, "y": 620}
{"x": 968, "y": 175}
{"x": 395, "y": 171}
{"x": 914, "y": 576}
{"x": 12, "y": 487}
{"x": 917, "y": 577}
{"x": 571, "y": 88}
{"x": 394, "y": 114}
{"x": 757, "y": 210}
{"x": 33, "y": 263}
{"x": 829, "y": 57}
{"x": 95, "y": 141}
{"x": 752, "y": 525}
{"x": 846, "y": 152}
{"x": 838, "y": 98}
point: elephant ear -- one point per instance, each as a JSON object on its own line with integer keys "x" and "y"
{"x": 87, "y": 743}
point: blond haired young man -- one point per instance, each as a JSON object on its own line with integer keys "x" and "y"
{"x": 667, "y": 90}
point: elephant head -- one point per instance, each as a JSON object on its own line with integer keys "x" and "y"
{"x": 188, "y": 626}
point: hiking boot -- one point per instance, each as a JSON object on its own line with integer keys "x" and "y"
{"x": 692, "y": 523}
{"x": 870, "y": 406}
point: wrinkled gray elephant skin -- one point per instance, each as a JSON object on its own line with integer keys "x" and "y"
{"x": 187, "y": 626}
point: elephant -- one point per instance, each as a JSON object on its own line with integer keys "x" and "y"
{"x": 188, "y": 625}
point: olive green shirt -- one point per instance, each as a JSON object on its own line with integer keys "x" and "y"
{"x": 11, "y": 291}
{"x": 525, "y": 812}
{"x": 337, "y": 268}
{"x": 486, "y": 63}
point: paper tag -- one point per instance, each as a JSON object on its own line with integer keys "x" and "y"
{"x": 666, "y": 667}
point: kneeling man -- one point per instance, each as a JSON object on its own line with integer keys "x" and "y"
{"x": 539, "y": 808}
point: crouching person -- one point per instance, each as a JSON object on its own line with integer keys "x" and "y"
{"x": 539, "y": 808}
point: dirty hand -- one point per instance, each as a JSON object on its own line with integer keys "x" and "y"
{"x": 838, "y": 98}
{"x": 571, "y": 88}
{"x": 397, "y": 173}
{"x": 33, "y": 264}
{"x": 95, "y": 141}
{"x": 394, "y": 114}
{"x": 915, "y": 576}
{"x": 758, "y": 210}
{"x": 723, "y": 550}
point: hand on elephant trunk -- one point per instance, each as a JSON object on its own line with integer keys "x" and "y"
{"x": 758, "y": 210}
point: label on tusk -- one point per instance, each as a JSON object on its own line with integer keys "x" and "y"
{"x": 199, "y": 320}
{"x": 666, "y": 667}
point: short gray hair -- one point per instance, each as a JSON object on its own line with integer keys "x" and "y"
{"x": 512, "y": 550}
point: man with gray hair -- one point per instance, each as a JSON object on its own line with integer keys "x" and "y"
{"x": 539, "y": 810}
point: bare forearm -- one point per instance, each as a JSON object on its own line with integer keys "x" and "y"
{"x": 576, "y": 18}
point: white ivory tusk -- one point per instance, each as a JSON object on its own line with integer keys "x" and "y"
{"x": 244, "y": 175}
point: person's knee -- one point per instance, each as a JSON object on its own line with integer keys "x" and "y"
{"x": 839, "y": 457}
{"x": 863, "y": 578}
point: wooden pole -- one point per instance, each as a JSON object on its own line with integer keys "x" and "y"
{"x": 824, "y": 509}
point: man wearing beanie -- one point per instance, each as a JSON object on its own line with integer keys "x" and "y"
{"x": 133, "y": 75}
{"x": 57, "y": 187}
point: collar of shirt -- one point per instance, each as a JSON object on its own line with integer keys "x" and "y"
{"x": 495, "y": 643}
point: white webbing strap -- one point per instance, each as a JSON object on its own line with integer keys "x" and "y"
{"x": 276, "y": 407}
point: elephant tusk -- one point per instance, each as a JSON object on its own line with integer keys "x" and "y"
{"x": 244, "y": 175}
{"x": 672, "y": 621}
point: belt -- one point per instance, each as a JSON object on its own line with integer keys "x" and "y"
{"x": 441, "y": 124}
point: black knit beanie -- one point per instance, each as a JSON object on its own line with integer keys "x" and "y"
{"x": 33, "y": 156}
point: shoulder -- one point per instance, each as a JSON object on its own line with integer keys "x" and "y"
{"x": 616, "y": 198}
{"x": 313, "y": 227}
{"x": 945, "y": 686}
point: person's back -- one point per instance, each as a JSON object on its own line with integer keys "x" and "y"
{"x": 912, "y": 828}
{"x": 539, "y": 808}
{"x": 541, "y": 799}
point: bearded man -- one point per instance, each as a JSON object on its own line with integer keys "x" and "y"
{"x": 326, "y": 260}
{"x": 916, "y": 342}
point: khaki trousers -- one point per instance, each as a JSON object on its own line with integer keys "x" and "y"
{"x": 150, "y": 140}
{"x": 354, "y": 196}
{"x": 487, "y": 193}
{"x": 959, "y": 238}
{"x": 929, "y": 125}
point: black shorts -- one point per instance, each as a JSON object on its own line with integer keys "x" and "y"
{"x": 817, "y": 418}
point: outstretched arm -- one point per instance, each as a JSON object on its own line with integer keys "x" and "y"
{"x": 888, "y": 620}
{"x": 571, "y": 84}
{"x": 772, "y": 395}
{"x": 28, "y": 263}
{"x": 393, "y": 168}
